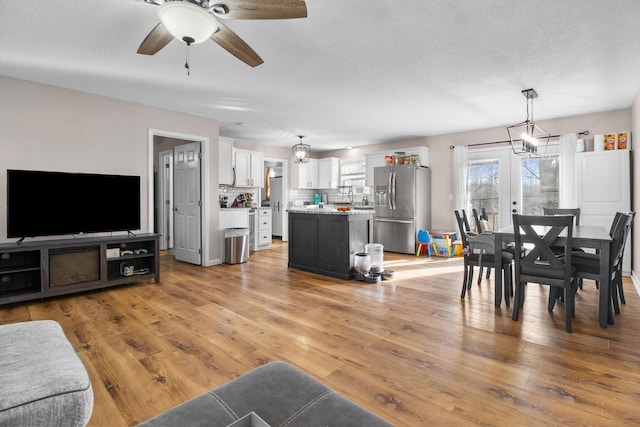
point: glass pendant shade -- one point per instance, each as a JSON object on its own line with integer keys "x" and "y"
{"x": 527, "y": 138}
{"x": 301, "y": 152}
{"x": 186, "y": 20}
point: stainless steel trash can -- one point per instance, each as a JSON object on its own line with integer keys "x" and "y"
{"x": 236, "y": 245}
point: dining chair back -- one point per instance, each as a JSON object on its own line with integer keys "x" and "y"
{"x": 465, "y": 221}
{"x": 564, "y": 211}
{"x": 575, "y": 212}
{"x": 482, "y": 224}
{"x": 617, "y": 290}
{"x": 540, "y": 264}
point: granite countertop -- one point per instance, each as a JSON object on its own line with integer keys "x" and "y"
{"x": 329, "y": 211}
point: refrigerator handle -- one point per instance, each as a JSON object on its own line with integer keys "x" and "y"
{"x": 389, "y": 190}
{"x": 393, "y": 190}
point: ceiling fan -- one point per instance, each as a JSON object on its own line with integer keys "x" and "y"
{"x": 194, "y": 21}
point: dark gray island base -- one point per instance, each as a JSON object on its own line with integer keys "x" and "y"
{"x": 325, "y": 241}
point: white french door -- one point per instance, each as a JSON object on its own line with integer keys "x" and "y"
{"x": 504, "y": 183}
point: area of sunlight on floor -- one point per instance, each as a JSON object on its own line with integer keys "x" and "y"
{"x": 424, "y": 267}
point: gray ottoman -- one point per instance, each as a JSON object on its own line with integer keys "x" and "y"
{"x": 279, "y": 394}
{"x": 42, "y": 380}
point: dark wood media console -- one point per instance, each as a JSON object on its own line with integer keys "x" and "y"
{"x": 41, "y": 269}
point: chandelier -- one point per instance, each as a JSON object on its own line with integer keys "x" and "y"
{"x": 301, "y": 151}
{"x": 527, "y": 138}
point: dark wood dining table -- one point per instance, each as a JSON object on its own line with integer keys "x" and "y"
{"x": 584, "y": 236}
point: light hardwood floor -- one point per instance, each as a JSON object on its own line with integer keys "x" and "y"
{"x": 409, "y": 350}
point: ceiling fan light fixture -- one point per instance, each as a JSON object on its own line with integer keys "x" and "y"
{"x": 301, "y": 151}
{"x": 527, "y": 138}
{"x": 187, "y": 21}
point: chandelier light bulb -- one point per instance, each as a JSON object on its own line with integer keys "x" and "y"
{"x": 529, "y": 138}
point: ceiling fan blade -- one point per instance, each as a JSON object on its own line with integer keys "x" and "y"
{"x": 158, "y": 38}
{"x": 236, "y": 46}
{"x": 259, "y": 9}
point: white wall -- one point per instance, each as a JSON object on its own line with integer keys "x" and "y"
{"x": 50, "y": 128}
{"x": 441, "y": 155}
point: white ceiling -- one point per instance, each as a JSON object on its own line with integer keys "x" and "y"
{"x": 354, "y": 72}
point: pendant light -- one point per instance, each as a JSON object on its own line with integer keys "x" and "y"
{"x": 527, "y": 138}
{"x": 301, "y": 151}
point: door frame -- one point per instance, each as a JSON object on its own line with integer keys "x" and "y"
{"x": 285, "y": 193}
{"x": 165, "y": 192}
{"x": 204, "y": 184}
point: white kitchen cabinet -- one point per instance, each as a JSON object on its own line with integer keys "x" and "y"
{"x": 262, "y": 229}
{"x": 225, "y": 161}
{"x": 248, "y": 168}
{"x": 304, "y": 175}
{"x": 604, "y": 188}
{"x": 328, "y": 172}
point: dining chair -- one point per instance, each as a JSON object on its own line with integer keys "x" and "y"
{"x": 458, "y": 241}
{"x": 617, "y": 289}
{"x": 588, "y": 265}
{"x": 479, "y": 250}
{"x": 540, "y": 264}
{"x": 483, "y": 225}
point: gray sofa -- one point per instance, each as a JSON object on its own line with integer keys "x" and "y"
{"x": 279, "y": 394}
{"x": 42, "y": 380}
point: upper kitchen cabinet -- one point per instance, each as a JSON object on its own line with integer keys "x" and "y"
{"x": 248, "y": 167}
{"x": 328, "y": 172}
{"x": 304, "y": 175}
{"x": 225, "y": 161}
{"x": 377, "y": 159}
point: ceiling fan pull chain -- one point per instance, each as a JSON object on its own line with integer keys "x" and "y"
{"x": 188, "y": 41}
{"x": 186, "y": 64}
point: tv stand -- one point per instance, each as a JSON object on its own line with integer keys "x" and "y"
{"x": 41, "y": 269}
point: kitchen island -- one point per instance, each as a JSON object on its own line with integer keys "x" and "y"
{"x": 325, "y": 240}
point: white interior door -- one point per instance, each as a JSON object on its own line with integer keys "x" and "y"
{"x": 504, "y": 183}
{"x": 187, "y": 203}
{"x": 165, "y": 199}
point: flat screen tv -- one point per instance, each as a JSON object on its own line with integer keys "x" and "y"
{"x": 43, "y": 203}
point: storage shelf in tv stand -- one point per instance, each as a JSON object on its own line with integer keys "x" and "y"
{"x": 40, "y": 269}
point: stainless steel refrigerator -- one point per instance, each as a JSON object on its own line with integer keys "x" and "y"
{"x": 402, "y": 196}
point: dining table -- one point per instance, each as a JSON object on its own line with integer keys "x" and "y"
{"x": 583, "y": 236}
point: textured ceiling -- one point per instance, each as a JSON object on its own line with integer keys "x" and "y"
{"x": 355, "y": 72}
